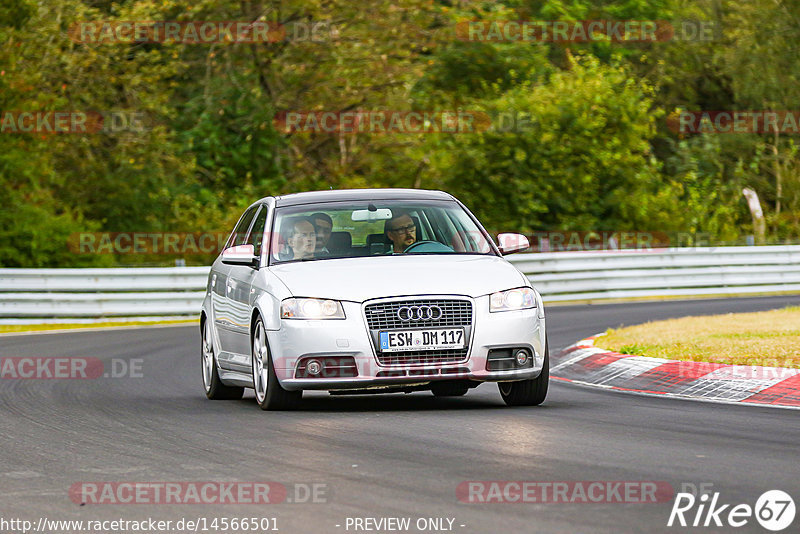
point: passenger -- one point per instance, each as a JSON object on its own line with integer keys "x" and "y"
{"x": 300, "y": 237}
{"x": 323, "y": 224}
{"x": 401, "y": 231}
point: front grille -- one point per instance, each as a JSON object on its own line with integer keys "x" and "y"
{"x": 463, "y": 371}
{"x": 455, "y": 313}
{"x": 415, "y": 357}
{"x": 383, "y": 316}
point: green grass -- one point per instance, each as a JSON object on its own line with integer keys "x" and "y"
{"x": 634, "y": 350}
{"x": 770, "y": 338}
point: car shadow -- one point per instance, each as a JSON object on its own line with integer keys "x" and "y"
{"x": 392, "y": 402}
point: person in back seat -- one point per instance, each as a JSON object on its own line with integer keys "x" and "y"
{"x": 323, "y": 225}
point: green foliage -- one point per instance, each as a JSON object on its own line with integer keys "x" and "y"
{"x": 710, "y": 201}
{"x": 34, "y": 232}
{"x": 573, "y": 165}
{"x": 578, "y": 139}
{"x": 15, "y": 13}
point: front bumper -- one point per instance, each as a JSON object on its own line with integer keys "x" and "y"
{"x": 297, "y": 339}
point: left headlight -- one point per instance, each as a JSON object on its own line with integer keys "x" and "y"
{"x": 521, "y": 298}
{"x": 311, "y": 309}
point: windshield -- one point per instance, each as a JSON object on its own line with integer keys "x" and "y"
{"x": 379, "y": 228}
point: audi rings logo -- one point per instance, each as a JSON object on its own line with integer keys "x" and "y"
{"x": 419, "y": 313}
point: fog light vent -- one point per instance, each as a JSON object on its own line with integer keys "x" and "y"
{"x": 326, "y": 367}
{"x": 509, "y": 359}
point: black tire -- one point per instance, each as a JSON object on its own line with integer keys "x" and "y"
{"x": 528, "y": 392}
{"x": 269, "y": 393}
{"x": 449, "y": 389}
{"x": 215, "y": 389}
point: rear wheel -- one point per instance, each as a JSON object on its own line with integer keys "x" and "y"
{"x": 528, "y": 392}
{"x": 269, "y": 393}
{"x": 215, "y": 389}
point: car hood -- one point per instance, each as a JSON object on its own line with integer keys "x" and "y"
{"x": 360, "y": 279}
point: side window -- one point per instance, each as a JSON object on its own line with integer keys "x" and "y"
{"x": 240, "y": 232}
{"x": 257, "y": 232}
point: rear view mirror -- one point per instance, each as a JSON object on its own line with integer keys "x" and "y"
{"x": 240, "y": 255}
{"x": 511, "y": 243}
{"x": 366, "y": 215}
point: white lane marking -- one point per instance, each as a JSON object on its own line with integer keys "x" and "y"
{"x": 733, "y": 389}
{"x": 621, "y": 390}
{"x": 579, "y": 355}
{"x": 751, "y": 372}
{"x": 627, "y": 368}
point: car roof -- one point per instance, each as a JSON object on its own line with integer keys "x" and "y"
{"x": 337, "y": 195}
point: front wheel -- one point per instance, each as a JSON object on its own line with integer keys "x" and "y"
{"x": 528, "y": 392}
{"x": 215, "y": 389}
{"x": 269, "y": 393}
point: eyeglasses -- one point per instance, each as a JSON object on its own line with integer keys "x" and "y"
{"x": 410, "y": 229}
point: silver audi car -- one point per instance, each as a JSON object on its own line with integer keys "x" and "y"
{"x": 369, "y": 291}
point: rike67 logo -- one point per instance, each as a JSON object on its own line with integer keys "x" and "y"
{"x": 774, "y": 510}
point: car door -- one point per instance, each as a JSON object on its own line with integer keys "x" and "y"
{"x": 224, "y": 311}
{"x": 240, "y": 295}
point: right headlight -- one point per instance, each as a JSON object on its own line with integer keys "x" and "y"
{"x": 521, "y": 298}
{"x": 295, "y": 308}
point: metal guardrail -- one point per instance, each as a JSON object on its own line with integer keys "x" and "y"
{"x": 119, "y": 292}
{"x": 563, "y": 276}
{"x": 560, "y": 276}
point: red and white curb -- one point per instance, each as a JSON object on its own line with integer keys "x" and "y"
{"x": 583, "y": 363}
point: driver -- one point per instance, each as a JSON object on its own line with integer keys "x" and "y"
{"x": 401, "y": 231}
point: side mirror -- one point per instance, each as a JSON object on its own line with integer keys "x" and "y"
{"x": 511, "y": 243}
{"x": 240, "y": 255}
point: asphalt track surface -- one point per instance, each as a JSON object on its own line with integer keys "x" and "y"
{"x": 380, "y": 456}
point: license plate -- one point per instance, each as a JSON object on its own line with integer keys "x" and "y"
{"x": 432, "y": 339}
